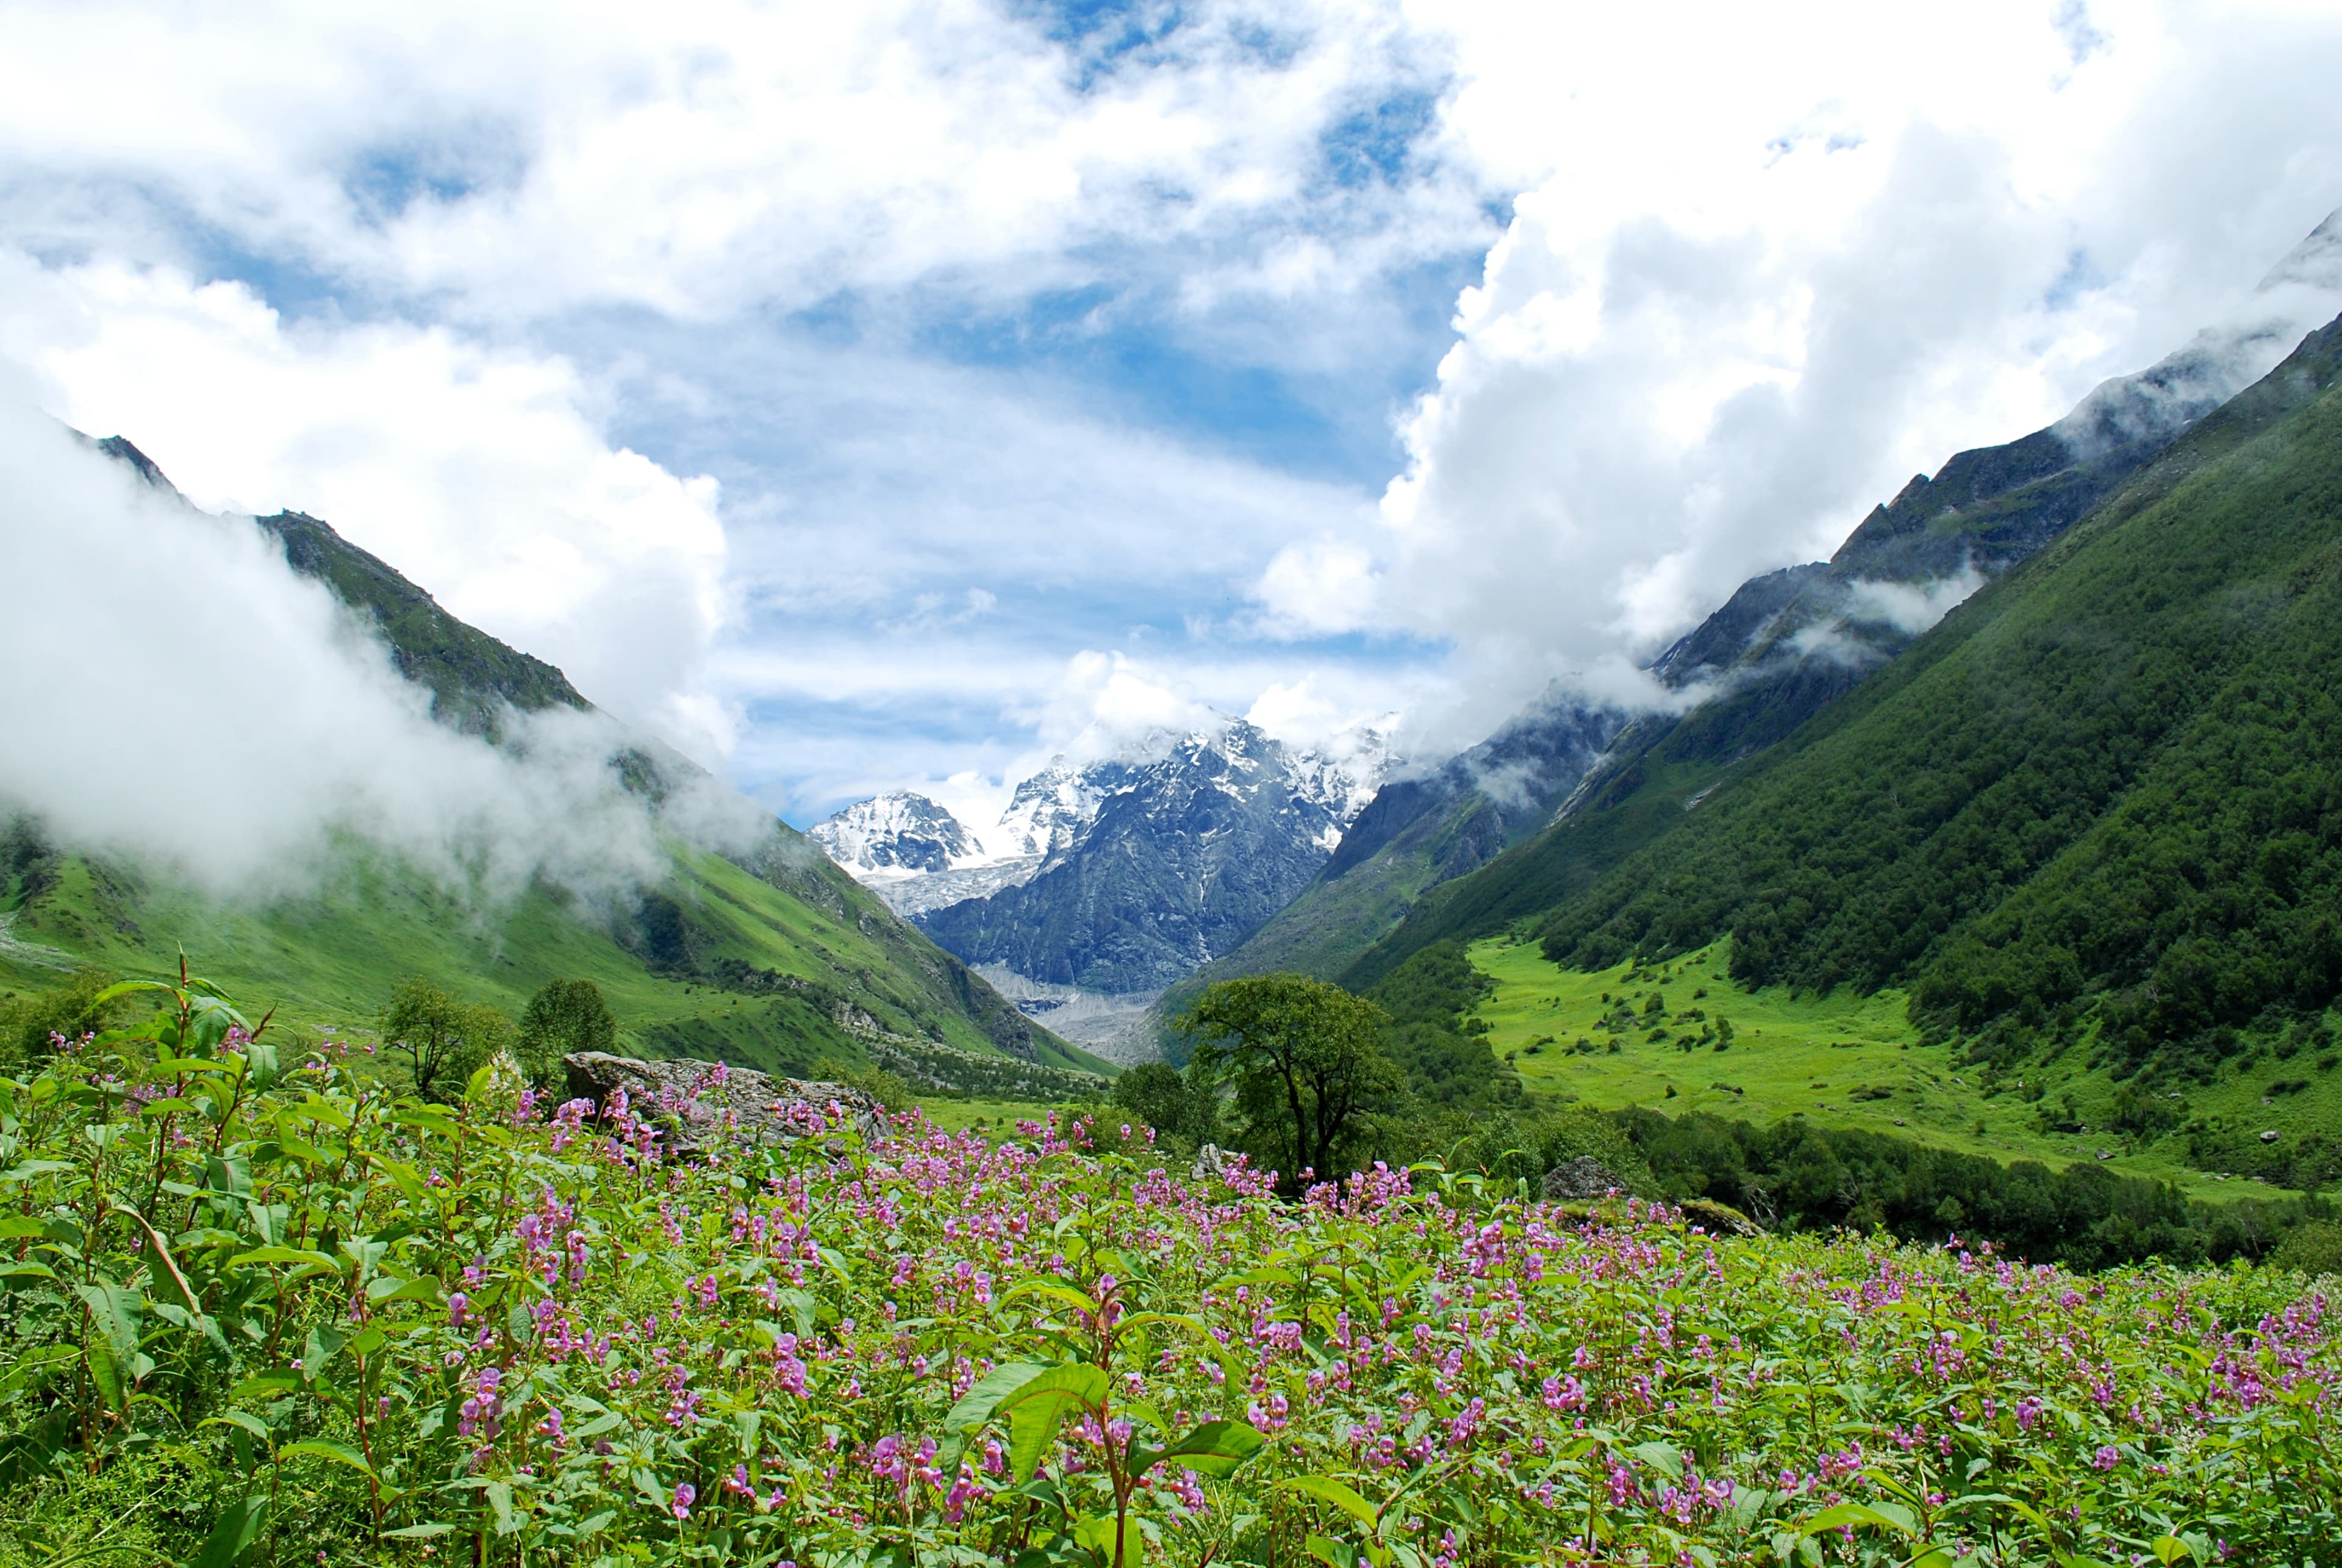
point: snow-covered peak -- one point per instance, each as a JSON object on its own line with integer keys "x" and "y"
{"x": 1050, "y": 810}
{"x": 899, "y": 831}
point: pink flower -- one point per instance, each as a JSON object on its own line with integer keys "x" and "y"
{"x": 685, "y": 1494}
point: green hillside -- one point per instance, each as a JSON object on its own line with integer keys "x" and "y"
{"x": 776, "y": 959}
{"x": 2092, "y": 817}
{"x": 778, "y": 971}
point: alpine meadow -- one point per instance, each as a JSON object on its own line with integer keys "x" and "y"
{"x": 1049, "y": 784}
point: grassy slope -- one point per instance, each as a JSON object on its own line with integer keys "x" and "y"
{"x": 1807, "y": 1055}
{"x": 327, "y": 958}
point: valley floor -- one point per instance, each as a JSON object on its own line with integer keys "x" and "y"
{"x": 1843, "y": 1059}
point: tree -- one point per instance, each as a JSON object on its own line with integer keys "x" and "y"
{"x": 1182, "y": 1107}
{"x": 444, "y": 1038}
{"x": 1305, "y": 1059}
{"x": 562, "y": 1019}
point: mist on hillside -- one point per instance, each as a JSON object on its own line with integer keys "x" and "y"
{"x": 181, "y": 697}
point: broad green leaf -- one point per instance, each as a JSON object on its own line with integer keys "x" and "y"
{"x": 1217, "y": 1448}
{"x": 1855, "y": 1513}
{"x": 977, "y": 1404}
{"x": 1662, "y": 1457}
{"x": 1036, "y": 1407}
{"x": 326, "y": 1448}
{"x": 308, "y": 1258}
{"x": 1325, "y": 1489}
{"x": 1065, "y": 1295}
{"x": 239, "y": 1526}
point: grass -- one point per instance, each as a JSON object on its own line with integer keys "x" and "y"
{"x": 1842, "y": 1059}
{"x": 981, "y": 1115}
{"x": 325, "y": 958}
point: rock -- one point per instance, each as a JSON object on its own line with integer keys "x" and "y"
{"x": 1211, "y": 1163}
{"x": 1581, "y": 1181}
{"x": 703, "y": 1102}
{"x": 2269, "y": 1136}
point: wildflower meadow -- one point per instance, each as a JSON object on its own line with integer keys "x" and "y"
{"x": 261, "y": 1309}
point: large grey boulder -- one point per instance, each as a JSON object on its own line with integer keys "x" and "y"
{"x": 1583, "y": 1180}
{"x": 702, "y": 1104}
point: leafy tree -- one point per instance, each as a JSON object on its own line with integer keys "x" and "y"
{"x": 562, "y": 1019}
{"x": 1182, "y": 1107}
{"x": 1306, "y": 1058}
{"x": 443, "y": 1038}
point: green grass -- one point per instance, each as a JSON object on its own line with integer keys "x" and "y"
{"x": 1807, "y": 1055}
{"x": 981, "y": 1115}
{"x": 326, "y": 958}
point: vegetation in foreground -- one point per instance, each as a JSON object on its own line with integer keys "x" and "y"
{"x": 265, "y": 1311}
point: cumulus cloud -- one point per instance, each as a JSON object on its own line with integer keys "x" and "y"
{"x": 176, "y": 694}
{"x": 479, "y": 473}
{"x": 693, "y": 159}
{"x": 1758, "y": 275}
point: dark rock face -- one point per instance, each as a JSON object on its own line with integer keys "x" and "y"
{"x": 1184, "y": 861}
{"x": 702, "y": 1104}
{"x": 1583, "y": 1180}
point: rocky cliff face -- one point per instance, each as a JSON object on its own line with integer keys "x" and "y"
{"x": 898, "y": 831}
{"x": 1186, "y": 853}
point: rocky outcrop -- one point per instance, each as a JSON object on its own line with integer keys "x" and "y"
{"x": 1583, "y": 1180}
{"x": 698, "y": 1105}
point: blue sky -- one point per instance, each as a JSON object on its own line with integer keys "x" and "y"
{"x": 896, "y": 394}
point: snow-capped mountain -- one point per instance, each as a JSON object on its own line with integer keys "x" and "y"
{"x": 1121, "y": 874}
{"x": 1189, "y": 851}
{"x": 896, "y": 831}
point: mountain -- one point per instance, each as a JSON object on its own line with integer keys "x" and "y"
{"x": 769, "y": 955}
{"x": 1184, "y": 854}
{"x": 896, "y": 831}
{"x": 2096, "y": 809}
{"x": 1789, "y": 645}
{"x": 1415, "y": 834}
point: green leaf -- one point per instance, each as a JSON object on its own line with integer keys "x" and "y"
{"x": 977, "y": 1405}
{"x": 500, "y": 1500}
{"x": 1325, "y": 1489}
{"x": 1036, "y": 1407}
{"x": 1097, "y": 1534}
{"x": 420, "y": 1531}
{"x": 161, "y": 1255}
{"x": 1331, "y": 1553}
{"x": 308, "y": 1258}
{"x": 326, "y": 1448}
{"x": 1847, "y": 1513}
{"x": 232, "y": 1536}
{"x": 126, "y": 988}
{"x": 1662, "y": 1457}
{"x": 244, "y": 1419}
{"x": 1215, "y": 1448}
{"x": 1055, "y": 1292}
{"x": 115, "y": 1309}
{"x": 105, "y": 1371}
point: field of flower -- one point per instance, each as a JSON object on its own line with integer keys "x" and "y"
{"x": 259, "y": 1310}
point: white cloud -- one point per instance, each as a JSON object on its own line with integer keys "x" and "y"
{"x": 1761, "y": 271}
{"x": 269, "y": 725}
{"x": 479, "y": 473}
{"x": 693, "y": 158}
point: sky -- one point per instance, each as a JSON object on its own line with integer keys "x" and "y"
{"x": 895, "y": 395}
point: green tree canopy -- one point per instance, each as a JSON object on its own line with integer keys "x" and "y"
{"x": 564, "y": 1018}
{"x": 443, "y": 1038}
{"x": 1307, "y": 1060}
